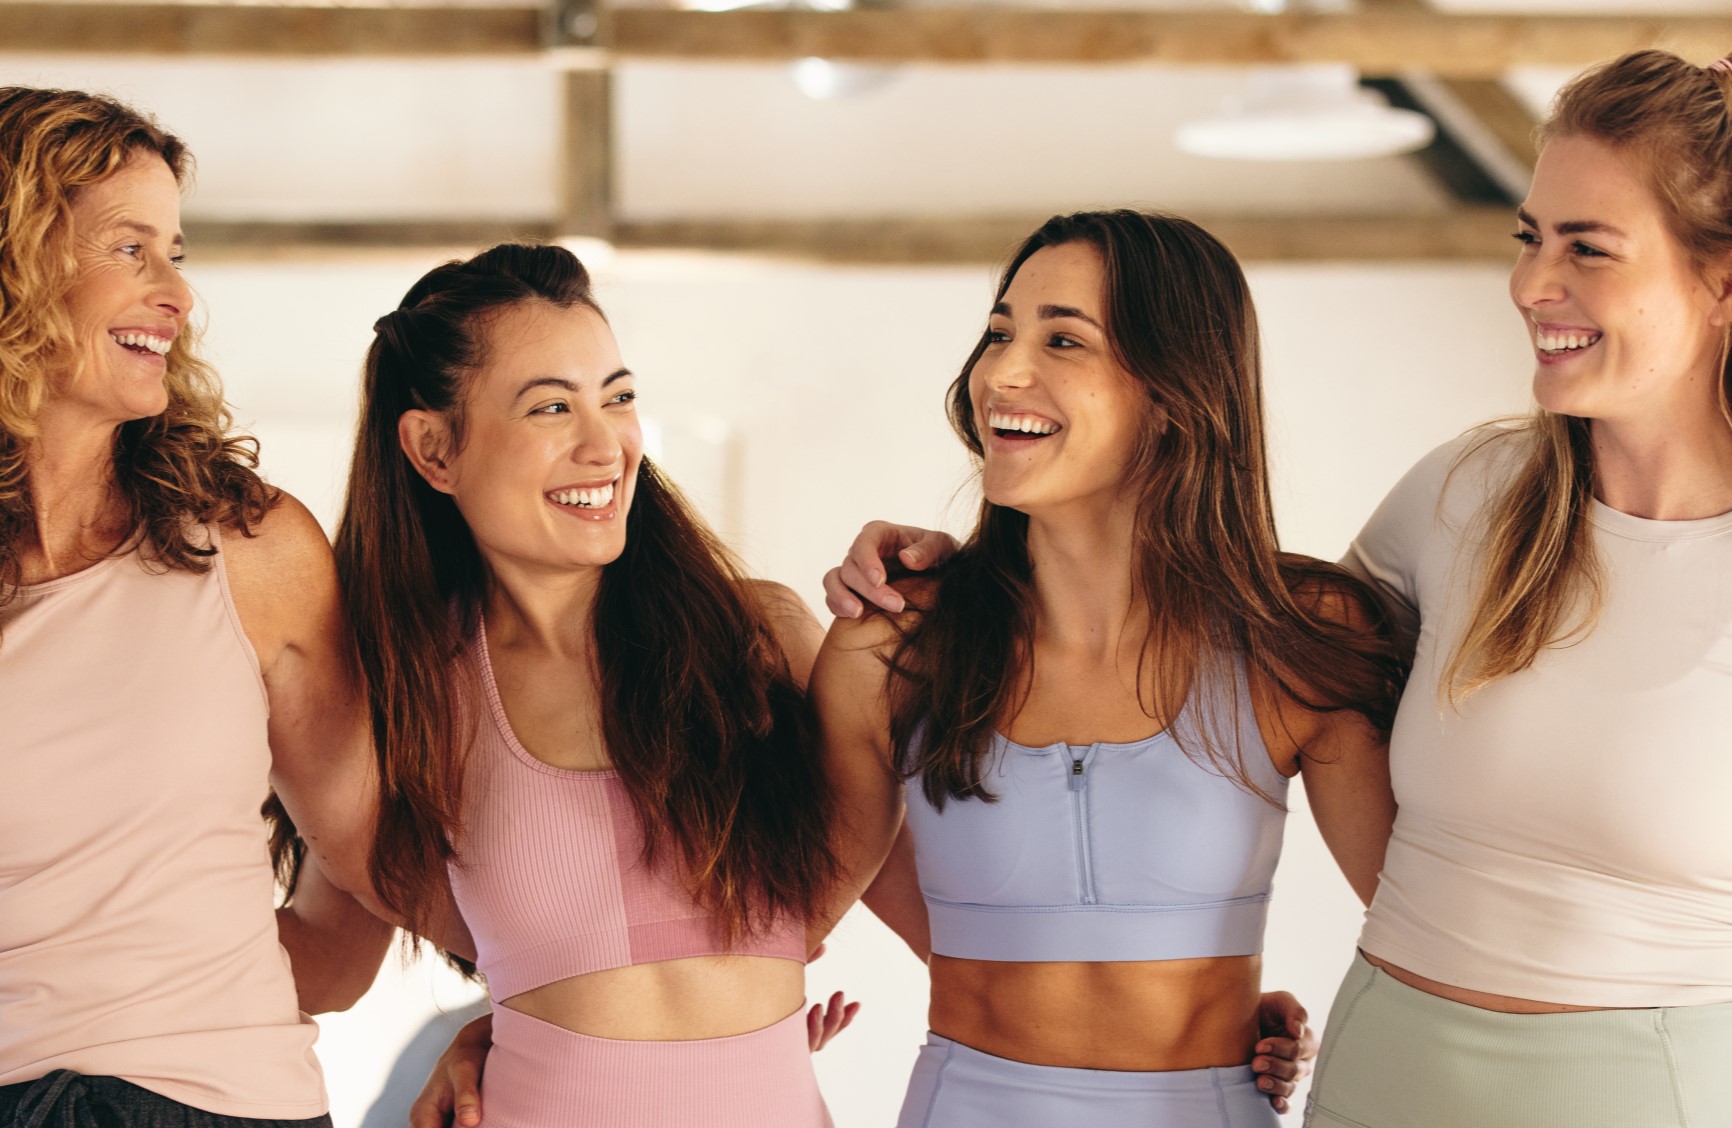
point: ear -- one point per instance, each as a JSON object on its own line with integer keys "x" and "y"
{"x": 1720, "y": 293}
{"x": 425, "y": 437}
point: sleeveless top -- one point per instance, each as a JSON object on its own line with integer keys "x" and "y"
{"x": 1098, "y": 852}
{"x": 550, "y": 875}
{"x": 138, "y": 934}
{"x": 1563, "y": 834}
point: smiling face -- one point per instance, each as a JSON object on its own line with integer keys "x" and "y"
{"x": 1058, "y": 416}
{"x": 129, "y": 301}
{"x": 550, "y": 446}
{"x": 1625, "y": 326}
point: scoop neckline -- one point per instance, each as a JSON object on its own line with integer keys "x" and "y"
{"x": 1631, "y": 527}
{"x": 71, "y": 578}
{"x": 502, "y": 723}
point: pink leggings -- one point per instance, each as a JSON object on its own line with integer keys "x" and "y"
{"x": 543, "y": 1076}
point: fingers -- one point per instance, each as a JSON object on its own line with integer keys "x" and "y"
{"x": 839, "y": 598}
{"x": 928, "y": 549}
{"x": 466, "y": 1084}
{"x": 824, "y": 1022}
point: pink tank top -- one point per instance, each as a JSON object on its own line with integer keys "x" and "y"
{"x": 138, "y": 936}
{"x": 550, "y": 875}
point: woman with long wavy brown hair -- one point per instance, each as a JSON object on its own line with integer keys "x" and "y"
{"x": 590, "y": 724}
{"x": 1091, "y": 897}
{"x": 1549, "y": 942}
{"x": 171, "y": 644}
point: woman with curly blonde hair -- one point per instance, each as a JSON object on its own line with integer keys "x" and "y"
{"x": 171, "y": 645}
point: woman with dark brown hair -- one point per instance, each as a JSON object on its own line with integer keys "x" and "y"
{"x": 591, "y": 726}
{"x": 1091, "y": 897}
{"x": 171, "y": 645}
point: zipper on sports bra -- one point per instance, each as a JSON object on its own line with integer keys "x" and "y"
{"x": 1079, "y": 799}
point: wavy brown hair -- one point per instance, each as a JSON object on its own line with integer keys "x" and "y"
{"x": 702, "y": 718}
{"x": 185, "y": 464}
{"x": 1207, "y": 566}
{"x": 1540, "y": 583}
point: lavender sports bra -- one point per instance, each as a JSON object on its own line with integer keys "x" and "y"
{"x": 1097, "y": 852}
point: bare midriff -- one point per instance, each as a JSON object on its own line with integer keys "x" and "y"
{"x": 673, "y": 1000}
{"x": 1484, "y": 1000}
{"x": 1134, "y": 1016}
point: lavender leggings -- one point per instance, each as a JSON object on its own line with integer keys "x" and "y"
{"x": 544, "y": 1076}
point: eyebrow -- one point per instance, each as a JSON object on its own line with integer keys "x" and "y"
{"x": 148, "y": 231}
{"x": 1051, "y": 312}
{"x": 566, "y": 385}
{"x": 1575, "y": 226}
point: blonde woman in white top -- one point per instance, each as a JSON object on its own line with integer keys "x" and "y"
{"x": 1551, "y": 941}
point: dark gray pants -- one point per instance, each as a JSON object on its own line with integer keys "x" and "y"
{"x": 64, "y": 1099}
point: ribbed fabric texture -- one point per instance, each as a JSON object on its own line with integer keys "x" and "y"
{"x": 138, "y": 937}
{"x": 544, "y": 1076}
{"x": 1396, "y": 1057}
{"x": 550, "y": 875}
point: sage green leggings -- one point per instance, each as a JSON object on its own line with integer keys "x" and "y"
{"x": 1395, "y": 1057}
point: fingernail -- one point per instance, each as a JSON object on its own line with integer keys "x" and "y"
{"x": 1265, "y": 1084}
{"x": 876, "y": 578}
{"x": 911, "y": 555}
{"x": 897, "y": 603}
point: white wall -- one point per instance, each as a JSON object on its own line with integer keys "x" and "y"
{"x": 822, "y": 388}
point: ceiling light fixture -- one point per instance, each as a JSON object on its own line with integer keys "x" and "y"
{"x": 1308, "y": 113}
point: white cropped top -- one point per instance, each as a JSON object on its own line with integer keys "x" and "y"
{"x": 1566, "y": 834}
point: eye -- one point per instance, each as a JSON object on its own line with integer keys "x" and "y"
{"x": 1526, "y": 238}
{"x": 625, "y": 398}
{"x": 557, "y": 407}
{"x": 177, "y": 261}
{"x": 1583, "y": 250}
{"x": 132, "y": 249}
{"x": 997, "y": 337}
{"x": 1060, "y": 341}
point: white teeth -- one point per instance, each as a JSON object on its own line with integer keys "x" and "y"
{"x": 157, "y": 345}
{"x": 1563, "y": 342}
{"x": 1027, "y": 424}
{"x": 584, "y": 499}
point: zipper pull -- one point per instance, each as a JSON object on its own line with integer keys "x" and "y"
{"x": 1076, "y": 773}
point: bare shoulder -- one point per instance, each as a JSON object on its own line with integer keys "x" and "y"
{"x": 791, "y": 623}
{"x": 282, "y": 577}
{"x": 287, "y": 543}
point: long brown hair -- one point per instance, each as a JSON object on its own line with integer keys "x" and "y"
{"x": 187, "y": 463}
{"x": 1207, "y": 565}
{"x": 1540, "y": 584}
{"x": 702, "y": 718}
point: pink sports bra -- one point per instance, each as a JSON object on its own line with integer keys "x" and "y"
{"x": 550, "y": 875}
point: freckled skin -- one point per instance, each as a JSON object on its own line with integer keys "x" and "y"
{"x": 127, "y": 278}
{"x": 1637, "y": 286}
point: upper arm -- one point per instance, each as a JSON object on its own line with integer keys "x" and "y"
{"x": 848, "y": 693}
{"x": 1390, "y": 548}
{"x": 284, "y": 584}
{"x": 1344, "y": 758}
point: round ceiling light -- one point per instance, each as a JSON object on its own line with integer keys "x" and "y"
{"x": 1313, "y": 113}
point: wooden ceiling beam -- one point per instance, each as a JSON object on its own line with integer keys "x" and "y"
{"x": 1467, "y": 234}
{"x": 1377, "y": 42}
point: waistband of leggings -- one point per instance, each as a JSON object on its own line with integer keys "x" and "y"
{"x": 508, "y": 1023}
{"x": 1368, "y": 976}
{"x": 1208, "y": 1079}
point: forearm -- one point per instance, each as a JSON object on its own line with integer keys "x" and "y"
{"x": 335, "y": 944}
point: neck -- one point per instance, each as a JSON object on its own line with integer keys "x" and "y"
{"x": 1084, "y": 597}
{"x": 1677, "y": 468}
{"x": 78, "y": 515}
{"x": 541, "y": 609}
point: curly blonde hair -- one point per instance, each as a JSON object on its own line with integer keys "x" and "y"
{"x": 185, "y": 465}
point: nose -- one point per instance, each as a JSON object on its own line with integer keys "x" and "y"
{"x": 598, "y": 442}
{"x": 169, "y": 292}
{"x": 1012, "y": 367}
{"x": 1537, "y": 280}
